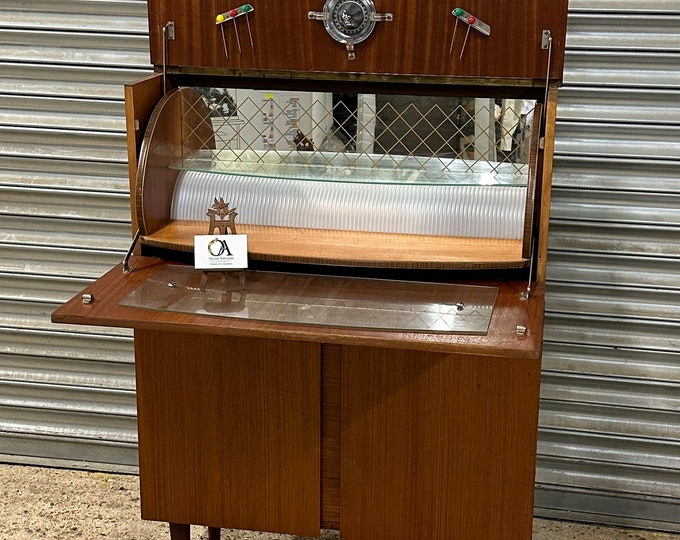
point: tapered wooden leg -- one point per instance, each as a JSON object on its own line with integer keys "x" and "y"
{"x": 214, "y": 533}
{"x": 180, "y": 531}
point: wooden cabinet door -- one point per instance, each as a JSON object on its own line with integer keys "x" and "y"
{"x": 437, "y": 446}
{"x": 229, "y": 431}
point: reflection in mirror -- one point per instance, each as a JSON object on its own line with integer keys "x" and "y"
{"x": 446, "y": 138}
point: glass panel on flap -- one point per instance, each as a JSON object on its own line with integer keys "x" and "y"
{"x": 320, "y": 300}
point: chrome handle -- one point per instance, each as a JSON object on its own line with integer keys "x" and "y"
{"x": 382, "y": 17}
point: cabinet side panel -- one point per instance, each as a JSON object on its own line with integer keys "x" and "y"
{"x": 229, "y": 431}
{"x": 546, "y": 186}
{"x": 140, "y": 99}
{"x": 437, "y": 446}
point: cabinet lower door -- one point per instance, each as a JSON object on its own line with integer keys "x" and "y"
{"x": 437, "y": 446}
{"x": 229, "y": 431}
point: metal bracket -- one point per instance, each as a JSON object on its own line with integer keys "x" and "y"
{"x": 351, "y": 55}
{"x": 169, "y": 31}
{"x": 381, "y": 17}
{"x": 126, "y": 261}
{"x": 546, "y": 40}
{"x": 168, "y": 35}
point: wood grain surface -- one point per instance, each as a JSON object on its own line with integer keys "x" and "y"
{"x": 466, "y": 406}
{"x": 437, "y": 446}
{"x": 416, "y": 43}
{"x": 179, "y": 124}
{"x": 354, "y": 248}
{"x": 140, "y": 100}
{"x": 229, "y": 431}
{"x": 501, "y": 340}
{"x": 331, "y": 399}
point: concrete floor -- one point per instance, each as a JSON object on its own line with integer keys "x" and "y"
{"x": 564, "y": 530}
{"x": 65, "y": 504}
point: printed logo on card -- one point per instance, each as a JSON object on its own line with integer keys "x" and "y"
{"x": 221, "y": 252}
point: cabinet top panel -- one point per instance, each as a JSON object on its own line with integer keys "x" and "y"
{"x": 490, "y": 40}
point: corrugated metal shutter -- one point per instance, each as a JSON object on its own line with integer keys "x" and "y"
{"x": 66, "y": 394}
{"x": 609, "y": 446}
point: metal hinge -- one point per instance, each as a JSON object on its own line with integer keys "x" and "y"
{"x": 546, "y": 40}
{"x": 169, "y": 31}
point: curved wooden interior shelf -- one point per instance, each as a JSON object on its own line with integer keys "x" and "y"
{"x": 354, "y": 248}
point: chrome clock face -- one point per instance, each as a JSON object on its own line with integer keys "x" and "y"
{"x": 350, "y": 19}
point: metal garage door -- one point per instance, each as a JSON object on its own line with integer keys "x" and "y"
{"x": 609, "y": 447}
{"x": 66, "y": 394}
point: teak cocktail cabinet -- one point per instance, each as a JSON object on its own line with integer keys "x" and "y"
{"x": 289, "y": 424}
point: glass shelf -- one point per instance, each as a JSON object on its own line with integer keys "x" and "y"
{"x": 320, "y": 300}
{"x": 356, "y": 168}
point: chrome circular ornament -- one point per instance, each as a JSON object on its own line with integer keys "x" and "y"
{"x": 349, "y": 21}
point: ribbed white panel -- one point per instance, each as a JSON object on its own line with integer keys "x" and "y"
{"x": 443, "y": 210}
